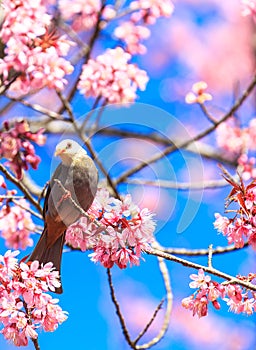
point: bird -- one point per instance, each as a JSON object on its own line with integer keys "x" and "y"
{"x": 72, "y": 186}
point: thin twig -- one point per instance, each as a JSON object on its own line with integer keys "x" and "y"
{"x": 20, "y": 185}
{"x": 210, "y": 256}
{"x": 12, "y": 197}
{"x": 84, "y": 213}
{"x": 207, "y": 114}
{"x": 88, "y": 115}
{"x": 38, "y": 108}
{"x": 118, "y": 311}
{"x": 144, "y": 331}
{"x": 169, "y": 298}
{"x": 39, "y": 216}
{"x": 34, "y": 340}
{"x": 98, "y": 116}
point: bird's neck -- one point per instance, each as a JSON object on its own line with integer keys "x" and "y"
{"x": 66, "y": 159}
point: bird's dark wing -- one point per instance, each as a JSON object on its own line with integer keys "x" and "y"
{"x": 54, "y": 176}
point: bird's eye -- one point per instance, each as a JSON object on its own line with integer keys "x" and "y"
{"x": 69, "y": 145}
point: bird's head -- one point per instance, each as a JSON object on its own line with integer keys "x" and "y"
{"x": 67, "y": 150}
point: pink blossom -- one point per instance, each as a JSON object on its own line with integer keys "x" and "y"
{"x": 150, "y": 10}
{"x": 199, "y": 280}
{"x": 82, "y": 14}
{"x": 234, "y": 292}
{"x": 30, "y": 49}
{"x": 221, "y": 223}
{"x": 132, "y": 34}
{"x": 198, "y": 305}
{"x": 235, "y": 139}
{"x": 247, "y": 167}
{"x": 215, "y": 290}
{"x": 9, "y": 262}
{"x": 243, "y": 305}
{"x": 238, "y": 231}
{"x": 82, "y": 234}
{"x": 252, "y": 238}
{"x": 198, "y": 94}
{"x": 124, "y": 231}
{"x": 242, "y": 226}
{"x": 111, "y": 77}
{"x": 24, "y": 20}
{"x": 16, "y": 225}
{"x": 15, "y": 146}
{"x": 210, "y": 291}
{"x": 108, "y": 13}
{"x": 230, "y": 138}
{"x": 23, "y": 287}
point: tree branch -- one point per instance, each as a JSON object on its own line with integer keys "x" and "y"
{"x": 201, "y": 252}
{"x": 210, "y": 270}
{"x": 169, "y": 297}
{"x": 185, "y": 144}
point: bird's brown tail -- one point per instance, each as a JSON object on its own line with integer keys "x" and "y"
{"x": 53, "y": 254}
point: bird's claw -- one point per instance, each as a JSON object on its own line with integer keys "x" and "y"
{"x": 65, "y": 196}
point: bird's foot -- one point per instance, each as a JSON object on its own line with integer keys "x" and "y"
{"x": 65, "y": 196}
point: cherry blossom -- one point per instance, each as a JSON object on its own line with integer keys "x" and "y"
{"x": 198, "y": 94}
{"x": 111, "y": 77}
{"x": 82, "y": 14}
{"x": 123, "y": 231}
{"x": 15, "y": 146}
{"x": 150, "y": 10}
{"x": 199, "y": 280}
{"x": 221, "y": 223}
{"x": 24, "y": 304}
{"x": 242, "y": 227}
{"x": 247, "y": 167}
{"x": 132, "y": 34}
{"x": 32, "y": 54}
{"x": 209, "y": 291}
{"x": 236, "y": 139}
{"x": 16, "y": 225}
{"x": 108, "y": 13}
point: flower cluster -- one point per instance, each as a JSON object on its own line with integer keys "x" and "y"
{"x": 82, "y": 14}
{"x": 111, "y": 77}
{"x": 144, "y": 12}
{"x": 246, "y": 167}
{"x": 150, "y": 10}
{"x": 243, "y": 225}
{"x": 118, "y": 231}
{"x": 198, "y": 94}
{"x": 236, "y": 139}
{"x": 24, "y": 304}
{"x": 131, "y": 34}
{"x": 32, "y": 54}
{"x": 16, "y": 224}
{"x": 209, "y": 291}
{"x": 16, "y": 146}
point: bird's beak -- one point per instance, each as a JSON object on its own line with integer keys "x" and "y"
{"x": 59, "y": 152}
